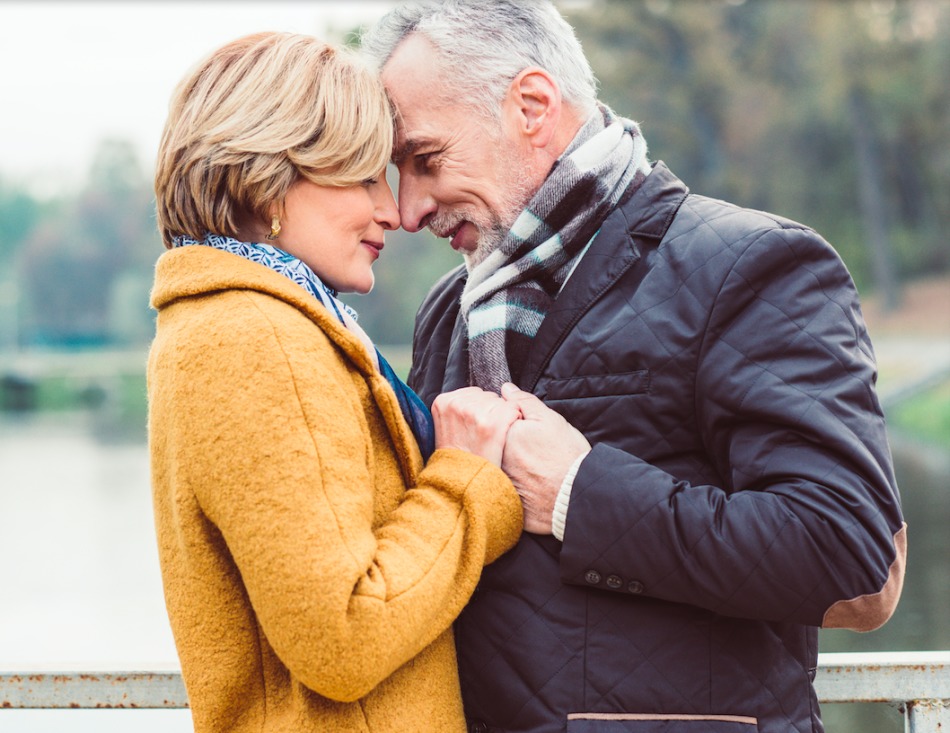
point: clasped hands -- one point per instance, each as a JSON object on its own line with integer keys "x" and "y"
{"x": 532, "y": 443}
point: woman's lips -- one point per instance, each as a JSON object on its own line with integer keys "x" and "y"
{"x": 374, "y": 247}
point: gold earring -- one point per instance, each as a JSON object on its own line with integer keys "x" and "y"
{"x": 274, "y": 227}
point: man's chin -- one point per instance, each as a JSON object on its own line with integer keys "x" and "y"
{"x": 476, "y": 256}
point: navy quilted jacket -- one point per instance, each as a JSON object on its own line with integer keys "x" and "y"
{"x": 739, "y": 494}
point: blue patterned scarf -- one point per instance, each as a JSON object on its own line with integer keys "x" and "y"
{"x": 508, "y": 294}
{"x": 413, "y": 408}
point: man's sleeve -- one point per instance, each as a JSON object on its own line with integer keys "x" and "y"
{"x": 807, "y": 525}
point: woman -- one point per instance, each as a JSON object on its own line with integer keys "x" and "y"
{"x": 313, "y": 560}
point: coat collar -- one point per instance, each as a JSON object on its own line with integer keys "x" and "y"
{"x": 192, "y": 271}
{"x": 637, "y": 225}
{"x": 186, "y": 272}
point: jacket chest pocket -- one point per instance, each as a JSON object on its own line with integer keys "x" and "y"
{"x": 594, "y": 386}
{"x": 611, "y": 408}
{"x": 646, "y": 723}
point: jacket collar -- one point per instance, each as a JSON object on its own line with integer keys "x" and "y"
{"x": 637, "y": 225}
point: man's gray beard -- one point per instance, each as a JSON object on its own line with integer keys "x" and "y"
{"x": 490, "y": 239}
{"x": 487, "y": 243}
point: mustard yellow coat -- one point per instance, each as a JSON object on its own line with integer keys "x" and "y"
{"x": 312, "y": 566}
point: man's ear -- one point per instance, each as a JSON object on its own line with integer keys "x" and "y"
{"x": 534, "y": 105}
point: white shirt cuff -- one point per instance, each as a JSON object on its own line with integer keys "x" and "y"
{"x": 559, "y": 518}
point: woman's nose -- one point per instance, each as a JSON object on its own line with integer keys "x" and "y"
{"x": 387, "y": 213}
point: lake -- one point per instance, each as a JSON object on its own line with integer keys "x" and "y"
{"x": 80, "y": 582}
{"x": 79, "y": 575}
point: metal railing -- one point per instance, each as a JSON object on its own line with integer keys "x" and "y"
{"x": 917, "y": 682}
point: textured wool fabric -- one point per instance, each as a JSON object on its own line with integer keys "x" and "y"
{"x": 291, "y": 267}
{"x": 509, "y": 293}
{"x": 312, "y": 565}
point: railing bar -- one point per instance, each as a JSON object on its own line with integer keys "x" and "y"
{"x": 92, "y": 690}
{"x": 918, "y": 680}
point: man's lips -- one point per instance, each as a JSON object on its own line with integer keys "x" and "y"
{"x": 453, "y": 235}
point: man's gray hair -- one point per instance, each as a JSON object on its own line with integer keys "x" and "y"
{"x": 484, "y": 44}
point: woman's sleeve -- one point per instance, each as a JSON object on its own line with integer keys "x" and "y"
{"x": 284, "y": 445}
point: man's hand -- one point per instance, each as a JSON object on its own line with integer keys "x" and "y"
{"x": 473, "y": 420}
{"x": 540, "y": 449}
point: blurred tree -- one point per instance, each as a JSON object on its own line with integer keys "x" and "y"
{"x": 19, "y": 213}
{"x": 667, "y": 65}
{"x": 77, "y": 268}
{"x": 904, "y": 61}
{"x": 753, "y": 101}
{"x": 758, "y": 102}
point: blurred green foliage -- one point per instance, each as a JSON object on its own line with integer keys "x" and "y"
{"x": 925, "y": 416}
{"x": 831, "y": 113}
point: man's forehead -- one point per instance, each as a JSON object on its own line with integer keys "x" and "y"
{"x": 415, "y": 53}
{"x": 412, "y": 75}
{"x": 424, "y": 114}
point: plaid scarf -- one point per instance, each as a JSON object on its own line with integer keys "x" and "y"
{"x": 412, "y": 407}
{"x": 509, "y": 293}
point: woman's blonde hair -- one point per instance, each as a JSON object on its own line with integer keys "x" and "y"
{"x": 253, "y": 117}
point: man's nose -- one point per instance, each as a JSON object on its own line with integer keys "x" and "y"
{"x": 416, "y": 204}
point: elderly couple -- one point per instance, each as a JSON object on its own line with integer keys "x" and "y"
{"x": 639, "y": 461}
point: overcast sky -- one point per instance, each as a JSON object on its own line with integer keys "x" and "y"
{"x": 74, "y": 72}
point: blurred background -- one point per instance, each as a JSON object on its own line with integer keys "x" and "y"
{"x": 835, "y": 114}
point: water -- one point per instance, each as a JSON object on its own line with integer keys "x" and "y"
{"x": 79, "y": 577}
{"x": 80, "y": 583}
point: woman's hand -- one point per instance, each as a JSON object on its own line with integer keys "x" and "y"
{"x": 539, "y": 451}
{"x": 474, "y": 420}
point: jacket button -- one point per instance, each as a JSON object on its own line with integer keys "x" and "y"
{"x": 614, "y": 581}
{"x": 592, "y": 577}
{"x": 635, "y": 586}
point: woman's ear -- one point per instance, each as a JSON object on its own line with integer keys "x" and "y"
{"x": 534, "y": 104}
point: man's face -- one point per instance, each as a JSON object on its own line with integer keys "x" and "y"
{"x": 459, "y": 175}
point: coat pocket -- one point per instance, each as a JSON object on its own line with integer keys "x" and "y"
{"x": 654, "y": 723}
{"x": 598, "y": 385}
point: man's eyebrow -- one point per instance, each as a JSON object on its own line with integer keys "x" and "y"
{"x": 407, "y": 148}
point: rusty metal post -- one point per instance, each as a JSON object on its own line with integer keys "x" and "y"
{"x": 927, "y": 716}
{"x": 919, "y": 682}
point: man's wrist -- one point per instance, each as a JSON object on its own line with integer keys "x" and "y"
{"x": 563, "y": 499}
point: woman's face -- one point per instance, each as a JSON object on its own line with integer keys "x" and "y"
{"x": 338, "y": 231}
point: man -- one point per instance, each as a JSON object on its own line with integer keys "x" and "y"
{"x": 702, "y": 458}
